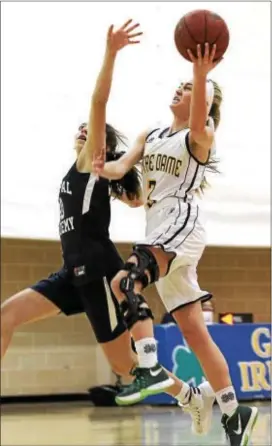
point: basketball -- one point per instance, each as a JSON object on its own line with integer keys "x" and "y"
{"x": 198, "y": 27}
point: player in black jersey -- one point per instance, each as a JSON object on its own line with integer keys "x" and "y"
{"x": 90, "y": 259}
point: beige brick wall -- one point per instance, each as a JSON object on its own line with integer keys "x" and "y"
{"x": 60, "y": 355}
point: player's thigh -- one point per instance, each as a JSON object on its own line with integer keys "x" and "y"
{"x": 102, "y": 310}
{"x": 59, "y": 290}
{"x": 179, "y": 242}
{"x": 26, "y": 306}
{"x": 180, "y": 289}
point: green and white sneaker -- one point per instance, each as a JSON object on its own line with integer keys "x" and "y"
{"x": 240, "y": 425}
{"x": 147, "y": 382}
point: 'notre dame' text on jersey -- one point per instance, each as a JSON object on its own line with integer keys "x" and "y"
{"x": 84, "y": 203}
{"x": 169, "y": 167}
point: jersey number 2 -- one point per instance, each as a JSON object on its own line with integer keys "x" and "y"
{"x": 151, "y": 188}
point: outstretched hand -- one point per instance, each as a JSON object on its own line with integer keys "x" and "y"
{"x": 116, "y": 40}
{"x": 204, "y": 64}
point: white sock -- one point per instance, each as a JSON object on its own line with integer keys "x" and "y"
{"x": 147, "y": 352}
{"x": 227, "y": 401}
{"x": 206, "y": 389}
{"x": 184, "y": 395}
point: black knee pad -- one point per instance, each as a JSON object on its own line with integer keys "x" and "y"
{"x": 134, "y": 310}
{"x": 145, "y": 261}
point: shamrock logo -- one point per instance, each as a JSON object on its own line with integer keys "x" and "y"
{"x": 186, "y": 365}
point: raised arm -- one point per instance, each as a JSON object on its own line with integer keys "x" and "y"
{"x": 96, "y": 137}
{"x": 114, "y": 170}
{"x": 201, "y": 136}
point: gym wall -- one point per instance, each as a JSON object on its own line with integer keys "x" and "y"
{"x": 60, "y": 355}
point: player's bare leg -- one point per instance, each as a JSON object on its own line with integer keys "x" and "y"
{"x": 191, "y": 322}
{"x": 123, "y": 360}
{"x": 22, "y": 308}
{"x": 198, "y": 403}
{"x": 120, "y": 355}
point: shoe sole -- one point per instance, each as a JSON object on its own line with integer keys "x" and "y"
{"x": 250, "y": 426}
{"x": 144, "y": 393}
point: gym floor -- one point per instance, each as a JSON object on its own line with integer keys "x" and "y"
{"x": 80, "y": 424}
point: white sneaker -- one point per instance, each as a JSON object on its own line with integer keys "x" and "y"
{"x": 200, "y": 410}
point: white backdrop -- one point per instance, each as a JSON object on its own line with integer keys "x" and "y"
{"x": 51, "y": 53}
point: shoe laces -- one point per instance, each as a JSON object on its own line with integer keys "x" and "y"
{"x": 194, "y": 411}
{"x": 139, "y": 377}
{"x": 137, "y": 372}
{"x": 192, "y": 408}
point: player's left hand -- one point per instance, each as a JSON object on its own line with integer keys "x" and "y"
{"x": 116, "y": 40}
{"x": 204, "y": 64}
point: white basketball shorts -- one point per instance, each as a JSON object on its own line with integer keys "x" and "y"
{"x": 178, "y": 227}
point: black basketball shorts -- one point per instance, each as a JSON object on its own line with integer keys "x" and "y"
{"x": 94, "y": 298}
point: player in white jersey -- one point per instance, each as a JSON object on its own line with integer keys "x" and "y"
{"x": 174, "y": 160}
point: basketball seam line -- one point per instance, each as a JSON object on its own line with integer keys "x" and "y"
{"x": 217, "y": 37}
{"x": 189, "y": 32}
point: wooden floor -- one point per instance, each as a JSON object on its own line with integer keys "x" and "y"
{"x": 79, "y": 424}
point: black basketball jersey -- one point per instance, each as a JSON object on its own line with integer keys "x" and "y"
{"x": 85, "y": 215}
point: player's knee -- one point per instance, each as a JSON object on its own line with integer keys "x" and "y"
{"x": 140, "y": 270}
{"x": 193, "y": 329}
{"x": 196, "y": 335}
{"x": 135, "y": 309}
{"x": 146, "y": 269}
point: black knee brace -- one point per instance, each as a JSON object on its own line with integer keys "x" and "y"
{"x": 146, "y": 261}
{"x": 135, "y": 311}
{"x": 135, "y": 307}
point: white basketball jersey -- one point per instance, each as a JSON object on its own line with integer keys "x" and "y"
{"x": 169, "y": 168}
